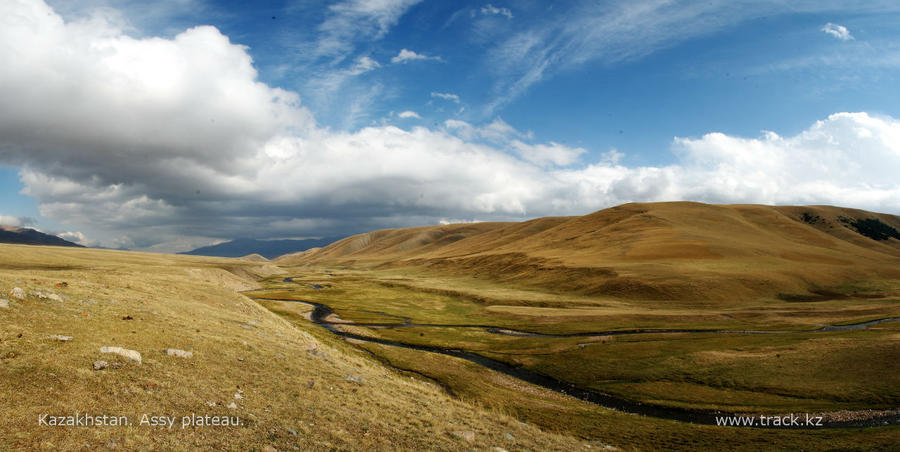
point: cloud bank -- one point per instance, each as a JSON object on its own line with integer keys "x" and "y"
{"x": 170, "y": 143}
{"x": 16, "y": 222}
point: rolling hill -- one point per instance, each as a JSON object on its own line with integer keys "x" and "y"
{"x": 26, "y": 236}
{"x": 677, "y": 251}
{"x": 265, "y": 248}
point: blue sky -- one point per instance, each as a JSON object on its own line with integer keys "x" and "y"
{"x": 174, "y": 124}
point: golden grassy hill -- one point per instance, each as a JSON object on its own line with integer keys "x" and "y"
{"x": 290, "y": 390}
{"x": 677, "y": 251}
{"x": 254, "y": 258}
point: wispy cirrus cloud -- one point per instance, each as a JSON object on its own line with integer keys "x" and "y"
{"x": 490, "y": 9}
{"x": 446, "y": 96}
{"x": 351, "y": 21}
{"x": 623, "y": 31}
{"x": 331, "y": 58}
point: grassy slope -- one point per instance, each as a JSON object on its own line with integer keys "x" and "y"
{"x": 659, "y": 251}
{"x": 190, "y": 303}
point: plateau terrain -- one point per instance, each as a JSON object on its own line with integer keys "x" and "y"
{"x": 640, "y": 327}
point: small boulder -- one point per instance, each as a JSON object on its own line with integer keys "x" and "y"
{"x": 60, "y": 338}
{"x": 355, "y": 379}
{"x": 123, "y": 352}
{"x": 17, "y": 293}
{"x": 100, "y": 365}
{"x": 179, "y": 353}
{"x": 467, "y": 435}
{"x": 232, "y": 405}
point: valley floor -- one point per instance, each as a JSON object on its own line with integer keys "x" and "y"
{"x": 769, "y": 358}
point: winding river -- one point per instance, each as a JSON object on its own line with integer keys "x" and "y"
{"x": 322, "y": 313}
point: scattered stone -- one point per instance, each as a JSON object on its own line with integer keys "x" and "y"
{"x": 60, "y": 338}
{"x": 4, "y": 303}
{"x": 310, "y": 384}
{"x": 292, "y": 431}
{"x": 130, "y": 354}
{"x": 112, "y": 444}
{"x": 269, "y": 449}
{"x": 498, "y": 449}
{"x": 247, "y": 327}
{"x": 238, "y": 396}
{"x": 208, "y": 403}
{"x": 62, "y": 284}
{"x": 354, "y": 378}
{"x": 232, "y": 405}
{"x": 54, "y": 297}
{"x": 467, "y": 435}
{"x": 510, "y": 437}
{"x": 179, "y": 353}
{"x": 100, "y": 365}
{"x": 17, "y": 293}
{"x": 127, "y": 317}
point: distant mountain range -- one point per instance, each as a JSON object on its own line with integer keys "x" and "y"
{"x": 26, "y": 236}
{"x": 267, "y": 248}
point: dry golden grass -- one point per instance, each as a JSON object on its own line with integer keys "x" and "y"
{"x": 295, "y": 394}
{"x": 655, "y": 251}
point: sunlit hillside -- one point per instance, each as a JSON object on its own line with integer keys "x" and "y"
{"x": 650, "y": 251}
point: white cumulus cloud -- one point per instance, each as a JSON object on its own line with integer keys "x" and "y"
{"x": 406, "y": 55}
{"x": 409, "y": 114}
{"x": 838, "y": 31}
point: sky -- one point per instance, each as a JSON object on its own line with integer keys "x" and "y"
{"x": 173, "y": 124}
